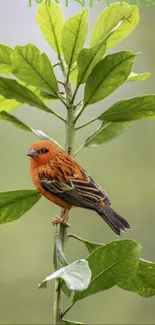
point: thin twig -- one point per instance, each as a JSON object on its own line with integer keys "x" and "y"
{"x": 69, "y": 307}
{"x": 86, "y": 123}
{"x": 56, "y": 64}
{"x": 79, "y": 112}
{"x": 59, "y": 116}
{"x": 61, "y": 83}
{"x": 78, "y": 150}
{"x": 62, "y": 100}
{"x": 79, "y": 103}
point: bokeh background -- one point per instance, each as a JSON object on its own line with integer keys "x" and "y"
{"x": 125, "y": 167}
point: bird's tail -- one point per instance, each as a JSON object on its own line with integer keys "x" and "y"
{"x": 113, "y": 219}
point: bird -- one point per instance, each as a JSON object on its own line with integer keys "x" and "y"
{"x": 59, "y": 178}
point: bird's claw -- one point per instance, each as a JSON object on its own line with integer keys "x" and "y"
{"x": 61, "y": 221}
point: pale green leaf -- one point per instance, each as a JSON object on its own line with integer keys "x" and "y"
{"x": 91, "y": 246}
{"x": 110, "y": 264}
{"x": 73, "y": 76}
{"x": 106, "y": 132}
{"x": 14, "y": 204}
{"x": 74, "y": 35}
{"x": 88, "y": 58}
{"x": 69, "y": 322}
{"x": 8, "y": 105}
{"x": 76, "y": 275}
{"x": 11, "y": 89}
{"x": 5, "y": 62}
{"x": 131, "y": 109}
{"x": 141, "y": 76}
{"x": 107, "y": 76}
{"x": 34, "y": 67}
{"x": 143, "y": 283}
{"x": 10, "y": 118}
{"x": 127, "y": 16}
{"x": 50, "y": 20}
{"x": 59, "y": 259}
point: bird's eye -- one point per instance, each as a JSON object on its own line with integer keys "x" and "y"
{"x": 43, "y": 150}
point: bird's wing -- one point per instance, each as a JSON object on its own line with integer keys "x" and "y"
{"x": 69, "y": 182}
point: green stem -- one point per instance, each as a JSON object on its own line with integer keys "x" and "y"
{"x": 70, "y": 132}
{"x": 59, "y": 116}
{"x": 86, "y": 123}
{"x": 80, "y": 102}
{"x": 61, "y": 83}
{"x": 79, "y": 112}
{"x": 56, "y": 64}
{"x": 68, "y": 308}
{"x": 75, "y": 92}
{"x": 78, "y": 150}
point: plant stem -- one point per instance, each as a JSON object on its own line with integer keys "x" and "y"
{"x": 70, "y": 132}
{"x": 86, "y": 123}
{"x": 79, "y": 112}
{"x": 68, "y": 308}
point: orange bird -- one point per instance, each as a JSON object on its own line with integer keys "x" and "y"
{"x": 61, "y": 180}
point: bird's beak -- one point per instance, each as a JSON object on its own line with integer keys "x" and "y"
{"x": 32, "y": 153}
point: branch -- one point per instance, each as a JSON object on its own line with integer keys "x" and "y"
{"x": 79, "y": 112}
{"x": 59, "y": 116}
{"x": 69, "y": 307}
{"x": 56, "y": 64}
{"x": 87, "y": 123}
{"x": 78, "y": 150}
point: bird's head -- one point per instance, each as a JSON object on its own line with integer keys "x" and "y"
{"x": 41, "y": 152}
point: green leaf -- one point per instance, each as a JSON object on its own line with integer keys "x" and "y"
{"x": 106, "y": 132}
{"x": 73, "y": 76}
{"x": 8, "y": 105}
{"x": 74, "y": 35}
{"x": 40, "y": 134}
{"x": 59, "y": 258}
{"x": 8, "y": 117}
{"x": 76, "y": 275}
{"x": 110, "y": 264}
{"x": 5, "y": 61}
{"x": 88, "y": 58}
{"x": 14, "y": 204}
{"x": 125, "y": 16}
{"x": 11, "y": 89}
{"x": 34, "y": 67}
{"x": 143, "y": 283}
{"x": 107, "y": 76}
{"x": 50, "y": 20}
{"x": 90, "y": 245}
{"x": 69, "y": 322}
{"x": 131, "y": 109}
{"x": 141, "y": 76}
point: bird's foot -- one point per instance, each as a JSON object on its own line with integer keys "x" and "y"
{"x": 61, "y": 221}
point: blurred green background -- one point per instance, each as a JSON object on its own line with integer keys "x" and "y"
{"x": 125, "y": 167}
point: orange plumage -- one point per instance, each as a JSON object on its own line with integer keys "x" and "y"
{"x": 61, "y": 180}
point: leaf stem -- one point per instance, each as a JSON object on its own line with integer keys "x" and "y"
{"x": 57, "y": 115}
{"x": 79, "y": 112}
{"x": 56, "y": 64}
{"x": 69, "y": 307}
{"x": 61, "y": 83}
{"x": 86, "y": 123}
{"x": 80, "y": 102}
{"x": 62, "y": 100}
{"x": 78, "y": 150}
